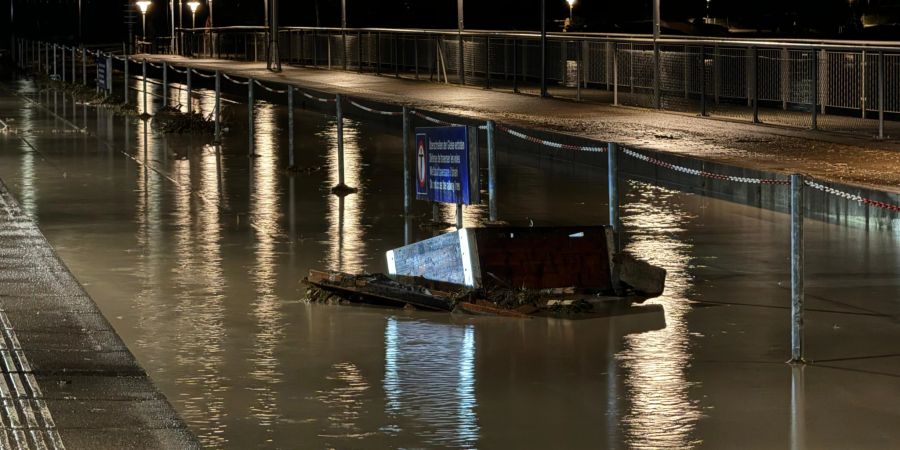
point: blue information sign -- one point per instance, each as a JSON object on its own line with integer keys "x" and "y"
{"x": 443, "y": 165}
{"x": 101, "y": 72}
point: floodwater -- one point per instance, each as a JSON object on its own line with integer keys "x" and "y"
{"x": 195, "y": 253}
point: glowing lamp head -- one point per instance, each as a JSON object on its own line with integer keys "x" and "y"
{"x": 143, "y": 6}
{"x": 571, "y": 3}
{"x": 194, "y": 6}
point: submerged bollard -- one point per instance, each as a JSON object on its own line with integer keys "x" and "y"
{"x": 144, "y": 75}
{"x": 218, "y": 105}
{"x": 797, "y": 269}
{"x": 190, "y": 106}
{"x": 492, "y": 173}
{"x": 250, "y": 103}
{"x": 339, "y": 112}
{"x": 165, "y": 86}
{"x": 290, "y": 100}
{"x": 406, "y": 158}
{"x": 613, "y": 179}
{"x": 127, "y": 61}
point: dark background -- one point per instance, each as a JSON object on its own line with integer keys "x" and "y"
{"x": 104, "y": 20}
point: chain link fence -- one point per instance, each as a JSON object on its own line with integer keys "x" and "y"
{"x": 829, "y": 86}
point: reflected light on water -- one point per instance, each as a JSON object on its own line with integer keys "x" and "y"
{"x": 265, "y": 214}
{"x": 662, "y": 414}
{"x": 429, "y": 381}
{"x": 28, "y": 196}
{"x": 346, "y": 234}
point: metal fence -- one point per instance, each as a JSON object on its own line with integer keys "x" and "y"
{"x": 831, "y": 85}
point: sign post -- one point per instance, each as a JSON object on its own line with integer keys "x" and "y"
{"x": 447, "y": 166}
{"x": 101, "y": 73}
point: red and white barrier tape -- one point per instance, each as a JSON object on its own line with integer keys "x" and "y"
{"x": 702, "y": 173}
{"x": 853, "y": 197}
{"x": 321, "y": 100}
{"x": 434, "y": 120}
{"x": 523, "y": 136}
{"x": 201, "y": 74}
{"x": 243, "y": 83}
{"x": 277, "y": 91}
{"x": 375, "y": 111}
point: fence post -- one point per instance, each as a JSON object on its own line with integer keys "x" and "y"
{"x": 339, "y": 112}
{"x": 109, "y": 74}
{"x": 84, "y": 56}
{"x": 127, "y": 61}
{"x": 190, "y": 104}
{"x": 74, "y": 66}
{"x": 814, "y": 88}
{"x": 754, "y": 81}
{"x": 487, "y": 62}
{"x": 407, "y": 181}
{"x": 359, "y": 52}
{"x": 515, "y": 52}
{"x": 657, "y": 87}
{"x": 165, "y": 83}
{"x": 290, "y": 101}
{"x": 785, "y": 69}
{"x": 715, "y": 75}
{"x": 862, "y": 79}
{"x": 577, "y": 73}
{"x": 144, "y": 79}
{"x": 492, "y": 173}
{"x": 703, "y": 81}
{"x": 250, "y": 132}
{"x": 416, "y": 54}
{"x": 797, "y": 269}
{"x": 62, "y": 54}
{"x": 218, "y": 104}
{"x": 612, "y": 151}
{"x": 396, "y": 47}
{"x": 881, "y": 95}
{"x": 823, "y": 92}
{"x": 615, "y": 64}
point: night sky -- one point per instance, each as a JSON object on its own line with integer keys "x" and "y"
{"x": 103, "y": 18}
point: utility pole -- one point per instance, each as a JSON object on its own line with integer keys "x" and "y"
{"x": 544, "y": 48}
{"x": 274, "y": 60}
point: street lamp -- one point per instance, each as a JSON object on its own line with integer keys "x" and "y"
{"x": 571, "y": 7}
{"x": 193, "y": 5}
{"x": 143, "y": 5}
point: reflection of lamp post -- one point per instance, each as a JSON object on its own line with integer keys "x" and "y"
{"x": 571, "y": 6}
{"x": 144, "y": 5}
{"x": 193, "y": 5}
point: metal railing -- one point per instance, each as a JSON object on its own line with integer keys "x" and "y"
{"x": 846, "y": 86}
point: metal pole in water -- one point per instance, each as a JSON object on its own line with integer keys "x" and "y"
{"x": 165, "y": 86}
{"x": 459, "y": 216}
{"x": 144, "y": 76}
{"x": 218, "y": 106}
{"x": 109, "y": 74}
{"x": 492, "y": 173}
{"x": 190, "y": 107}
{"x": 797, "y": 269}
{"x": 84, "y": 66}
{"x": 62, "y": 53}
{"x": 250, "y": 103}
{"x": 74, "y": 66}
{"x": 290, "y": 100}
{"x": 613, "y": 180}
{"x": 125, "y": 90}
{"x": 406, "y": 158}
{"x": 339, "y": 112}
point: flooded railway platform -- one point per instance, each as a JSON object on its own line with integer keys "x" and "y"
{"x": 195, "y": 253}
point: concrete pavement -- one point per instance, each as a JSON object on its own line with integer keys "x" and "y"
{"x": 68, "y": 380}
{"x": 841, "y": 158}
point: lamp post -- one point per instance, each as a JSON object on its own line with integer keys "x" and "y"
{"x": 194, "y": 6}
{"x": 210, "y": 13}
{"x": 143, "y": 5}
{"x": 656, "y": 20}
{"x": 571, "y": 7}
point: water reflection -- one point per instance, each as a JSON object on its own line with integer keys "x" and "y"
{"x": 429, "y": 381}
{"x": 265, "y": 215}
{"x": 662, "y": 414}
{"x": 346, "y": 233}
